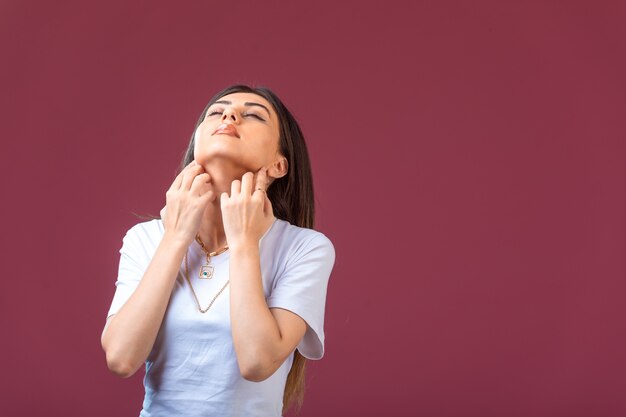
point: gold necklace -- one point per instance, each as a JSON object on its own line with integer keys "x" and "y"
{"x": 202, "y": 310}
{"x": 206, "y": 270}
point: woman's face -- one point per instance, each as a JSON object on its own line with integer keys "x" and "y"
{"x": 241, "y": 128}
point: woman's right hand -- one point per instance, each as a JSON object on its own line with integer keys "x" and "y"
{"x": 186, "y": 201}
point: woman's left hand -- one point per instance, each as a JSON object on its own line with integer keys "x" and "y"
{"x": 247, "y": 213}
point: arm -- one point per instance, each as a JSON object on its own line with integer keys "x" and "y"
{"x": 263, "y": 337}
{"x": 129, "y": 335}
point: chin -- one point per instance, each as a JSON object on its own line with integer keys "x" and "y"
{"x": 216, "y": 151}
{"x": 220, "y": 160}
{"x": 223, "y": 156}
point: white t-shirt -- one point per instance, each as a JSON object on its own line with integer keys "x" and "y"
{"x": 192, "y": 369}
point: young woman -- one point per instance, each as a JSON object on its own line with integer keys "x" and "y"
{"x": 223, "y": 297}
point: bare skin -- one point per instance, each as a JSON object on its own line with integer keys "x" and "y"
{"x": 221, "y": 197}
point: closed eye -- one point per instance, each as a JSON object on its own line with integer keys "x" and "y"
{"x": 254, "y": 115}
{"x": 218, "y": 112}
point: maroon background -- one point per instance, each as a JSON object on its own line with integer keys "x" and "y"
{"x": 469, "y": 164}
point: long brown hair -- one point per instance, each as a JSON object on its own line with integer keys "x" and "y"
{"x": 291, "y": 197}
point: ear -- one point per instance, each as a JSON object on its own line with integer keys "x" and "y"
{"x": 278, "y": 168}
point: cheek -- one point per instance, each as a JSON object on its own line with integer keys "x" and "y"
{"x": 196, "y": 139}
{"x": 269, "y": 141}
{"x": 265, "y": 147}
{"x": 200, "y": 145}
{"x": 200, "y": 136}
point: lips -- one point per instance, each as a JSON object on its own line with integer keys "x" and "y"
{"x": 226, "y": 129}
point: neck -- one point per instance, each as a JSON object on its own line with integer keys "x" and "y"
{"x": 212, "y": 228}
{"x": 222, "y": 173}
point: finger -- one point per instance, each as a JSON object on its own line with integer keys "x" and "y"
{"x": 190, "y": 175}
{"x": 198, "y": 182}
{"x": 179, "y": 178}
{"x": 246, "y": 183}
{"x": 262, "y": 180}
{"x": 223, "y": 199}
{"x": 235, "y": 188}
{"x": 162, "y": 212}
{"x": 208, "y": 193}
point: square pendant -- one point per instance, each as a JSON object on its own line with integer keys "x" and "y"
{"x": 206, "y": 272}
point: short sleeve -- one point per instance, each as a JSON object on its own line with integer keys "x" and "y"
{"x": 132, "y": 266}
{"x": 301, "y": 289}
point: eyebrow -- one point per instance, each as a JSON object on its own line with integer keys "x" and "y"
{"x": 247, "y": 104}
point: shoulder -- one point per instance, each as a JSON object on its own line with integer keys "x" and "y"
{"x": 150, "y": 227}
{"x": 300, "y": 240}
{"x": 145, "y": 232}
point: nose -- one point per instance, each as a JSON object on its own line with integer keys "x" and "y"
{"x": 230, "y": 115}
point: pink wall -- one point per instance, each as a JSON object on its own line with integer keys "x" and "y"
{"x": 469, "y": 160}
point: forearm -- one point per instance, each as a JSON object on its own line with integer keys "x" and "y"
{"x": 131, "y": 332}
{"x": 254, "y": 329}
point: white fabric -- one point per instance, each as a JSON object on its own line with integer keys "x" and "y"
{"x": 192, "y": 369}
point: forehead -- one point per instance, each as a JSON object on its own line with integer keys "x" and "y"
{"x": 240, "y": 98}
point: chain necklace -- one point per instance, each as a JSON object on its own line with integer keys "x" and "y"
{"x": 202, "y": 310}
{"x": 206, "y": 270}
